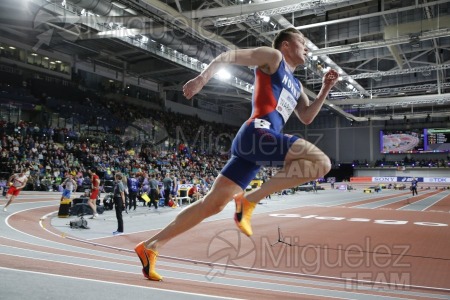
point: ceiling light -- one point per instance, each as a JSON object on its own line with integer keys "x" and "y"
{"x": 414, "y": 40}
{"x": 354, "y": 50}
{"x": 223, "y": 74}
{"x": 118, "y": 4}
{"x": 131, "y": 11}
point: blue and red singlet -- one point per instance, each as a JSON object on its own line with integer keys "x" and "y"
{"x": 259, "y": 141}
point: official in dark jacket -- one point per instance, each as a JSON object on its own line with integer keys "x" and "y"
{"x": 119, "y": 202}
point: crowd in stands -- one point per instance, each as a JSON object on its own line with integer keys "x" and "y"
{"x": 193, "y": 150}
{"x": 49, "y": 161}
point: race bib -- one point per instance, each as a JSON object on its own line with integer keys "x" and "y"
{"x": 286, "y": 104}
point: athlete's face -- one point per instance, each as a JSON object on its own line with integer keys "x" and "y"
{"x": 298, "y": 49}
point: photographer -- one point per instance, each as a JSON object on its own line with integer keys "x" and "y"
{"x": 119, "y": 202}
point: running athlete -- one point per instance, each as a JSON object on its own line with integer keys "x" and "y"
{"x": 95, "y": 186}
{"x": 17, "y": 182}
{"x": 277, "y": 94}
{"x": 69, "y": 185}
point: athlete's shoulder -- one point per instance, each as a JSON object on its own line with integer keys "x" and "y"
{"x": 269, "y": 59}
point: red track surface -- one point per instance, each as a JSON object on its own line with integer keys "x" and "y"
{"x": 383, "y": 252}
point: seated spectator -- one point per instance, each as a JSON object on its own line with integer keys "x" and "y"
{"x": 193, "y": 193}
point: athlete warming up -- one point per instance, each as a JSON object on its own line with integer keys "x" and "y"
{"x": 17, "y": 182}
{"x": 276, "y": 95}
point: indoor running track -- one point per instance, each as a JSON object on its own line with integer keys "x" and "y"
{"x": 333, "y": 244}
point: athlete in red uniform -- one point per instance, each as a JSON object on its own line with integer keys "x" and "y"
{"x": 95, "y": 186}
{"x": 17, "y": 183}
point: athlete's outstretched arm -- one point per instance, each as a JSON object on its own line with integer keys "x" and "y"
{"x": 265, "y": 58}
{"x": 307, "y": 111}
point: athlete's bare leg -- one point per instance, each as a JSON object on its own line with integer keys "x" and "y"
{"x": 11, "y": 199}
{"x": 218, "y": 197}
{"x": 93, "y": 205}
{"x": 304, "y": 162}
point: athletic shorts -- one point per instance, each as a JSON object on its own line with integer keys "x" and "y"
{"x": 67, "y": 193}
{"x": 13, "y": 191}
{"x": 94, "y": 194}
{"x": 253, "y": 148}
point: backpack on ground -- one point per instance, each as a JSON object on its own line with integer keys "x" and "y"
{"x": 80, "y": 223}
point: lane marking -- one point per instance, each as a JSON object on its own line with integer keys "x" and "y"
{"x": 116, "y": 283}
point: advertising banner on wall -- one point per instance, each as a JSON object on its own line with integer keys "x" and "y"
{"x": 436, "y": 179}
{"x": 403, "y": 179}
{"x": 384, "y": 179}
{"x": 409, "y": 179}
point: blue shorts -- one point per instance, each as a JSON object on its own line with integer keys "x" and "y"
{"x": 67, "y": 193}
{"x": 253, "y": 148}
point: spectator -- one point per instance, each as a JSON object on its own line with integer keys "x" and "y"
{"x": 167, "y": 186}
{"x": 154, "y": 192}
{"x": 119, "y": 202}
{"x": 193, "y": 193}
{"x": 69, "y": 185}
{"x": 133, "y": 188}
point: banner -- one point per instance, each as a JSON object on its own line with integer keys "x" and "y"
{"x": 409, "y": 179}
{"x": 360, "y": 179}
{"x": 436, "y": 179}
{"x": 384, "y": 179}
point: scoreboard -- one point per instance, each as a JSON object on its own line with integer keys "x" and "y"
{"x": 437, "y": 139}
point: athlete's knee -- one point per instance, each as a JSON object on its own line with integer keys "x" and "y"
{"x": 325, "y": 163}
{"x": 313, "y": 166}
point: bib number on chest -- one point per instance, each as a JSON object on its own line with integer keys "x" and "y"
{"x": 286, "y": 104}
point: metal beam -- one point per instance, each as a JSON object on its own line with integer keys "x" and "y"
{"x": 377, "y": 44}
{"x": 395, "y": 101}
{"x": 238, "y": 9}
{"x": 255, "y": 15}
{"x": 398, "y": 72}
{"x": 360, "y": 17}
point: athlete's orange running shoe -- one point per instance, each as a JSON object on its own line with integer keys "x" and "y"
{"x": 244, "y": 210}
{"x": 148, "y": 259}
